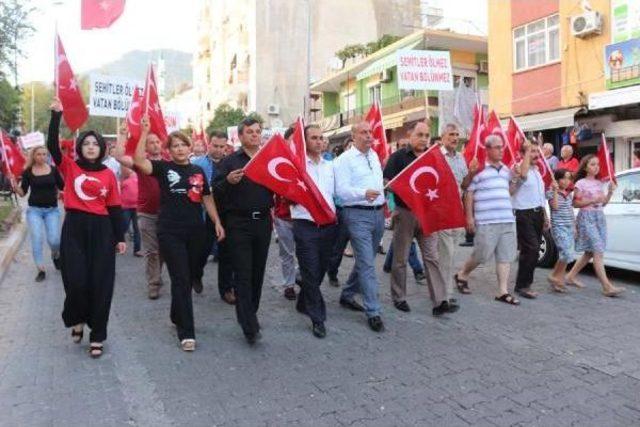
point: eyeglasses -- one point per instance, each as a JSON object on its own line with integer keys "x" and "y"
{"x": 453, "y": 134}
{"x": 499, "y": 147}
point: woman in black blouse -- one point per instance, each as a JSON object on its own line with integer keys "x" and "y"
{"x": 181, "y": 227}
{"x": 43, "y": 215}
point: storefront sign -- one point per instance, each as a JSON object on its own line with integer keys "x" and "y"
{"x": 625, "y": 20}
{"x": 424, "y": 70}
{"x": 110, "y": 96}
{"x": 622, "y": 64}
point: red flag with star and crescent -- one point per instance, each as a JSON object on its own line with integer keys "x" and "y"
{"x": 545, "y": 170}
{"x": 134, "y": 116}
{"x": 151, "y": 106}
{"x": 474, "y": 149}
{"x": 380, "y": 146}
{"x": 100, "y": 13}
{"x": 515, "y": 138}
{"x": 510, "y": 155}
{"x": 275, "y": 167}
{"x": 12, "y": 159}
{"x": 299, "y": 145}
{"x": 430, "y": 190}
{"x": 74, "y": 110}
{"x": 607, "y": 171}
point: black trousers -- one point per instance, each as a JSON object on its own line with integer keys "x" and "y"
{"x": 88, "y": 267}
{"x": 209, "y": 239}
{"x": 529, "y": 225}
{"x": 248, "y": 245}
{"x": 339, "y": 245}
{"x": 314, "y": 247}
{"x": 225, "y": 269}
{"x": 181, "y": 250}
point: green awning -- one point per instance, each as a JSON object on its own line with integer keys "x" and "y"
{"x": 384, "y": 63}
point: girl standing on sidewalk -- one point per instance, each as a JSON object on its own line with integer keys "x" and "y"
{"x": 43, "y": 215}
{"x": 563, "y": 226}
{"x": 591, "y": 238}
{"x": 91, "y": 234}
{"x": 181, "y": 227}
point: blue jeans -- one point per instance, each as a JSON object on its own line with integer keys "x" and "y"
{"x": 43, "y": 221}
{"x": 131, "y": 217}
{"x": 365, "y": 232}
{"x": 414, "y": 261}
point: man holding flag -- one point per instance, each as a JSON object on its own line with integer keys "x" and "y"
{"x": 407, "y": 225}
{"x": 247, "y": 220}
{"x": 314, "y": 242}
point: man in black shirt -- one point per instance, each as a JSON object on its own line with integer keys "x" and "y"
{"x": 247, "y": 220}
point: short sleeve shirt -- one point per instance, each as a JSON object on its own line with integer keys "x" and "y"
{"x": 88, "y": 191}
{"x": 589, "y": 189}
{"x": 181, "y": 191}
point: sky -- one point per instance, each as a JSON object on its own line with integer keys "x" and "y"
{"x": 152, "y": 24}
{"x": 144, "y": 25}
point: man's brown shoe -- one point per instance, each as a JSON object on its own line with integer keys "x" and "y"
{"x": 229, "y": 297}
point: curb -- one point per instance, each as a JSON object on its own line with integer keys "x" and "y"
{"x": 9, "y": 247}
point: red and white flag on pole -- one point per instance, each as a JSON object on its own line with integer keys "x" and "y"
{"x": 276, "y": 168}
{"x": 475, "y": 146}
{"x": 544, "y": 169}
{"x": 100, "y": 13}
{"x": 430, "y": 190}
{"x": 74, "y": 110}
{"x": 607, "y": 171}
{"x": 151, "y": 106}
{"x": 134, "y": 116}
{"x": 299, "y": 145}
{"x": 516, "y": 138}
{"x": 494, "y": 127}
{"x": 380, "y": 146}
{"x": 12, "y": 159}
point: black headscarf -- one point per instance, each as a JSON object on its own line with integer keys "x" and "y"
{"x": 84, "y": 163}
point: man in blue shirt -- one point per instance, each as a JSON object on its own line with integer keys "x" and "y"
{"x": 209, "y": 164}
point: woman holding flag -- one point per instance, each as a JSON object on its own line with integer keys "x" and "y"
{"x": 590, "y": 197}
{"x": 181, "y": 227}
{"x": 91, "y": 234}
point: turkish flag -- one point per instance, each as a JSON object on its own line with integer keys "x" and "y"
{"x": 74, "y": 110}
{"x": 430, "y": 190}
{"x": 515, "y": 138}
{"x": 494, "y": 127}
{"x": 276, "y": 168}
{"x": 134, "y": 116}
{"x": 380, "y": 146}
{"x": 12, "y": 159}
{"x": 544, "y": 169}
{"x": 475, "y": 146}
{"x": 100, "y": 13}
{"x": 299, "y": 145}
{"x": 151, "y": 106}
{"x": 607, "y": 171}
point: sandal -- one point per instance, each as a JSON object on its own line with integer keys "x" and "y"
{"x": 527, "y": 293}
{"x": 76, "y": 336}
{"x": 574, "y": 283}
{"x": 95, "y": 350}
{"x": 613, "y": 292}
{"x": 462, "y": 285}
{"x": 508, "y": 299}
{"x": 556, "y": 285}
{"x": 188, "y": 344}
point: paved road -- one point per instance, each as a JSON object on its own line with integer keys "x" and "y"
{"x": 560, "y": 360}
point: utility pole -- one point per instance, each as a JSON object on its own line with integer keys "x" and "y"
{"x": 307, "y": 91}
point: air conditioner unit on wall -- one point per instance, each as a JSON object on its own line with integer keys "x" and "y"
{"x": 385, "y": 76}
{"x": 483, "y": 67}
{"x": 587, "y": 24}
{"x": 273, "y": 109}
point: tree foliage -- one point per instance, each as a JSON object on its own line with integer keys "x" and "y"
{"x": 14, "y": 28}
{"x": 360, "y": 50}
{"x": 225, "y": 116}
{"x": 9, "y": 104}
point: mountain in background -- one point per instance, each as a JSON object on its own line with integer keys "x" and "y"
{"x": 177, "y": 66}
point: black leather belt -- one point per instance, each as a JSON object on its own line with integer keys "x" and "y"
{"x": 538, "y": 209}
{"x": 257, "y": 214}
{"x": 366, "y": 208}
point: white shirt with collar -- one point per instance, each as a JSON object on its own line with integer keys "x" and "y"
{"x": 322, "y": 175}
{"x": 530, "y": 191}
{"x": 356, "y": 172}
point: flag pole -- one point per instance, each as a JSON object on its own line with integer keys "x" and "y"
{"x": 146, "y": 93}
{"x": 55, "y": 59}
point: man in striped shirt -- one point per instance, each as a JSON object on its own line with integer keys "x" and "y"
{"x": 490, "y": 215}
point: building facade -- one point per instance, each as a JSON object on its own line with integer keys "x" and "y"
{"x": 252, "y": 54}
{"x": 570, "y": 70}
{"x": 345, "y": 96}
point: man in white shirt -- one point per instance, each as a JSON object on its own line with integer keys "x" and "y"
{"x": 314, "y": 243}
{"x": 359, "y": 187}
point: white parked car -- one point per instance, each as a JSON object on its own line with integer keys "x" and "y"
{"x": 623, "y": 226}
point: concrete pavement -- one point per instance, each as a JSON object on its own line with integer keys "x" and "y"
{"x": 560, "y": 360}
